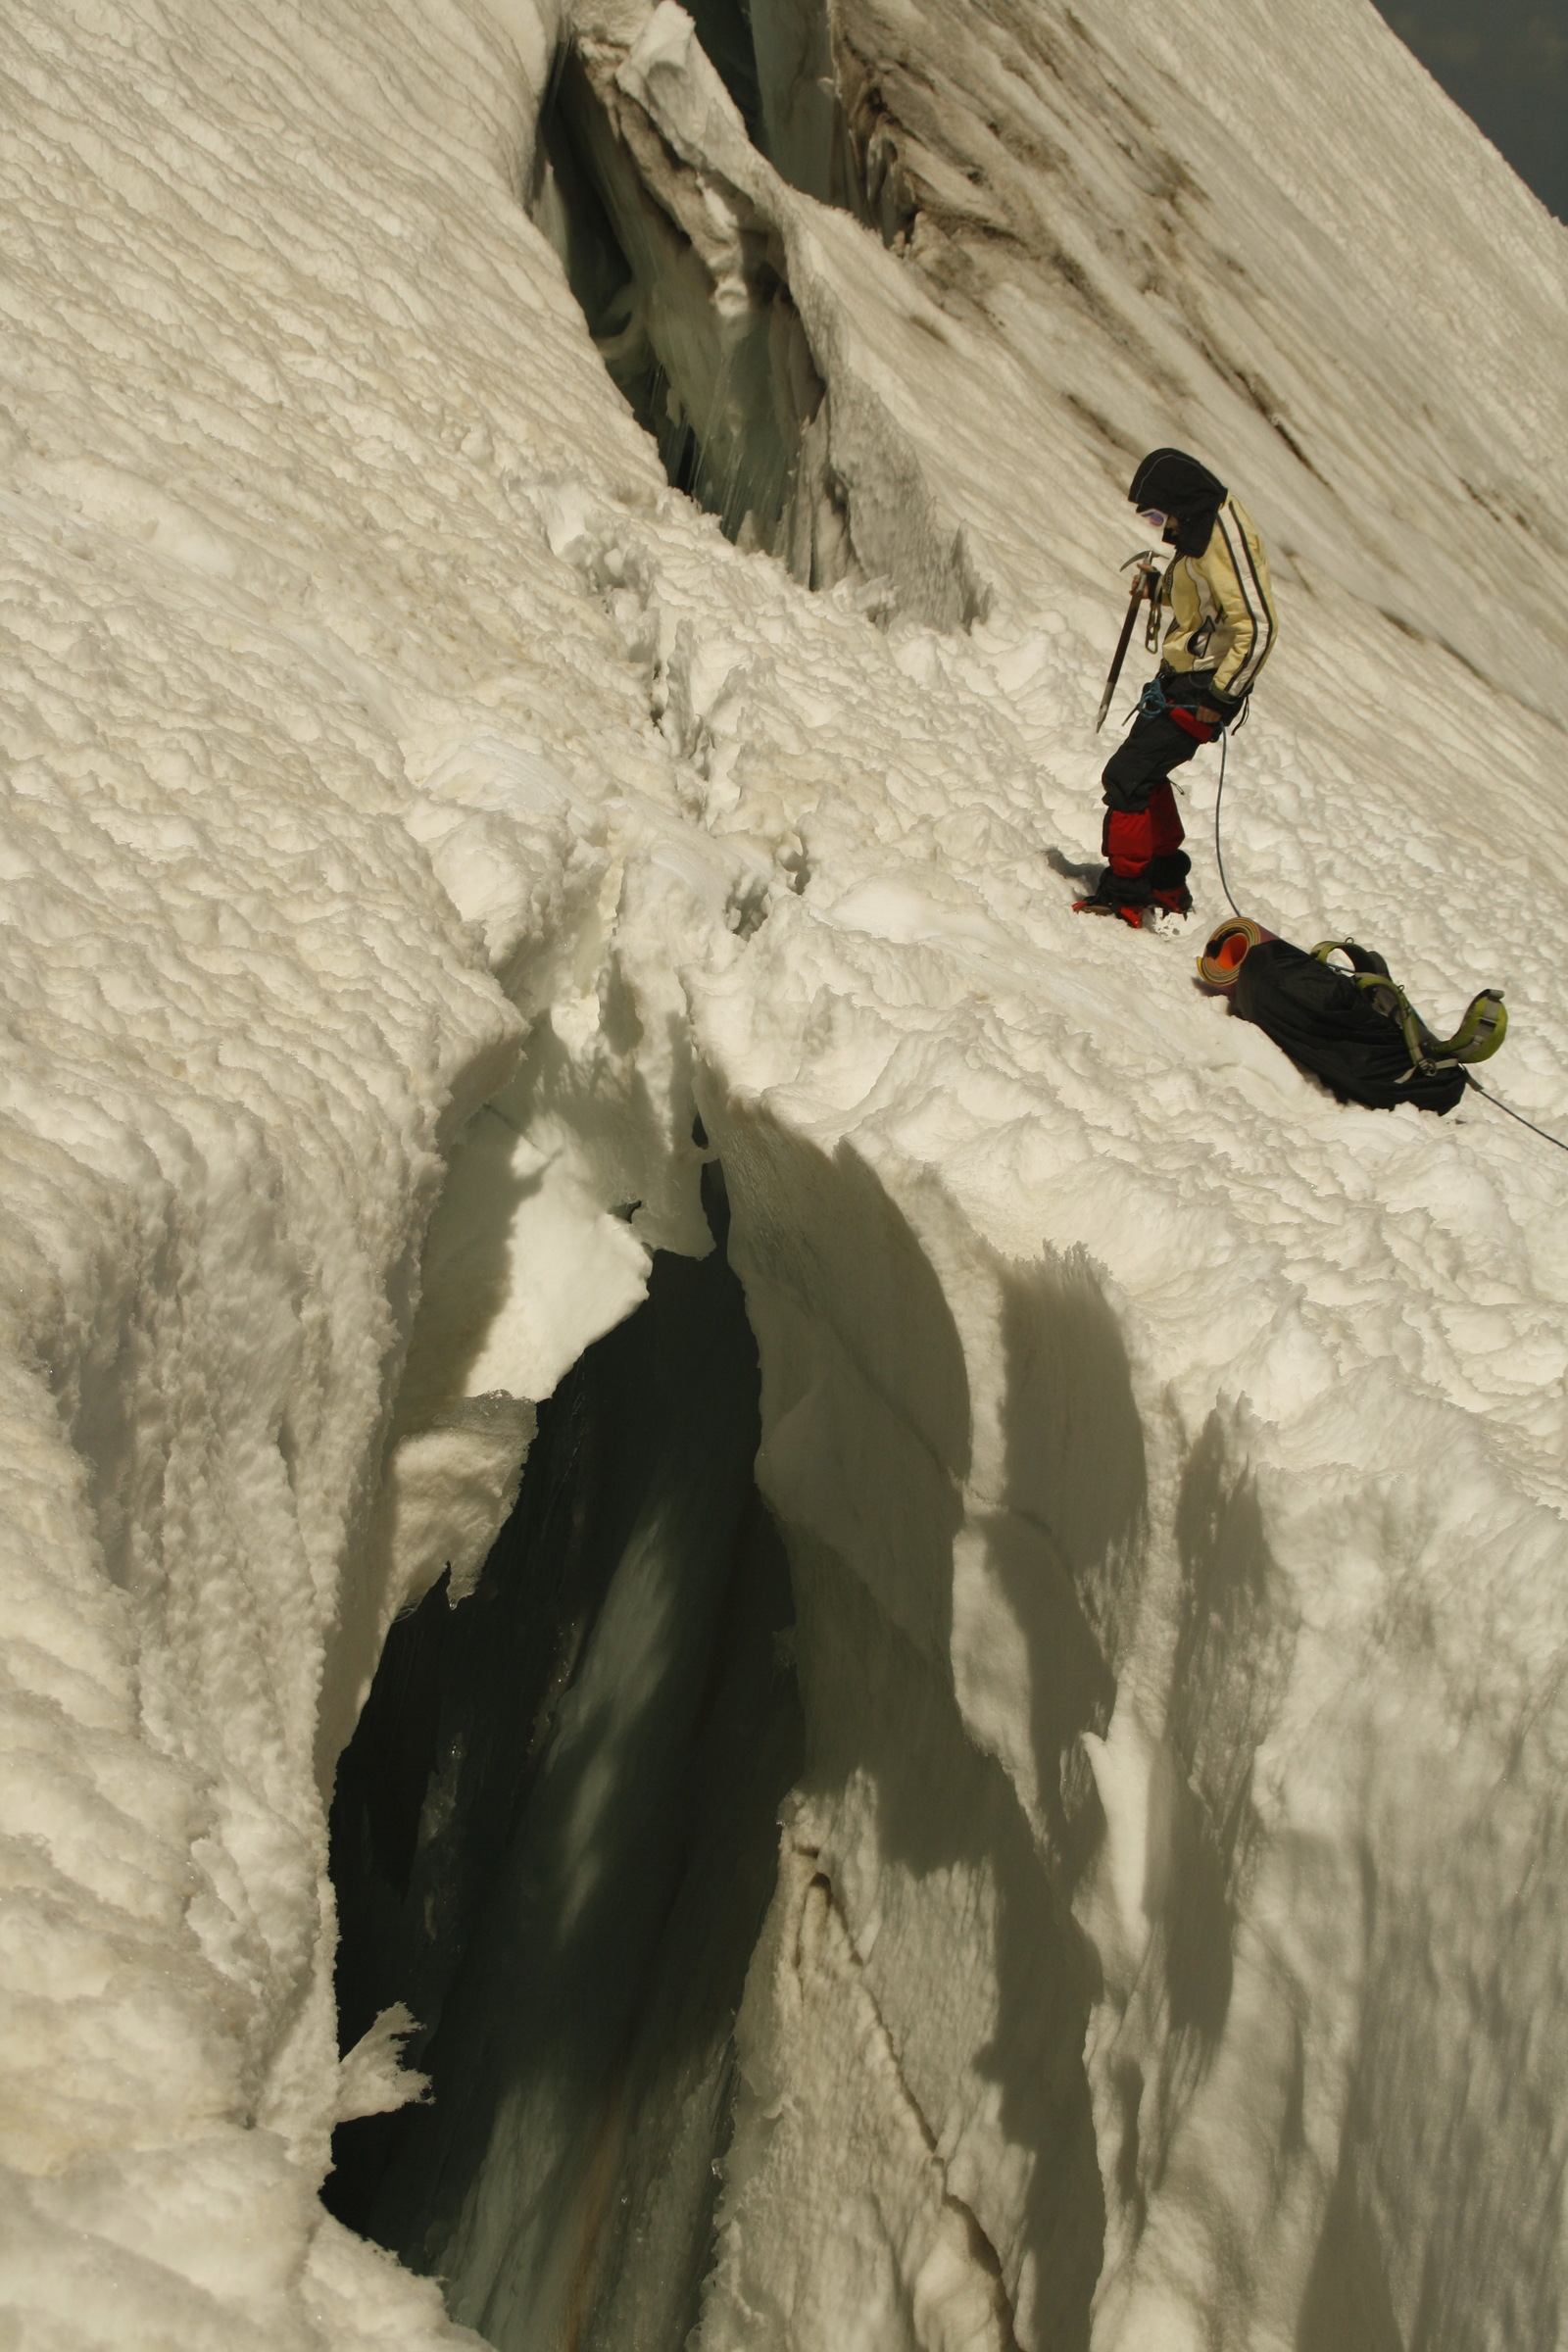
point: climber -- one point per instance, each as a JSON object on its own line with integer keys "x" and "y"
{"x": 1222, "y": 630}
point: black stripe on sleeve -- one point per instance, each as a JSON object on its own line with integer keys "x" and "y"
{"x": 1237, "y": 684}
{"x": 1255, "y": 658}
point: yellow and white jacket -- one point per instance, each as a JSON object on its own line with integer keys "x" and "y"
{"x": 1224, "y": 620}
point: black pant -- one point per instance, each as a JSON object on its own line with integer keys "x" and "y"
{"x": 1152, "y": 747}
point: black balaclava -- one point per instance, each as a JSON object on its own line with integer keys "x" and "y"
{"x": 1178, "y": 486}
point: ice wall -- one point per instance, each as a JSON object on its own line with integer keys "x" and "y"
{"x": 414, "y": 809}
{"x": 702, "y": 283}
{"x": 681, "y": 284}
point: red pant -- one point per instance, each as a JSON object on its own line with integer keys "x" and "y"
{"x": 1133, "y": 836}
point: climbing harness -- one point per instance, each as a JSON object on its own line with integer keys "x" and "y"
{"x": 1205, "y": 720}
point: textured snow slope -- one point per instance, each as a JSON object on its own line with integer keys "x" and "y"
{"x": 1167, "y": 1934}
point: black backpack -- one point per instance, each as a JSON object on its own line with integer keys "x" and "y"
{"x": 1355, "y": 1030}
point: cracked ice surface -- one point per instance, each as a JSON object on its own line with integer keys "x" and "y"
{"x": 1168, "y": 1921}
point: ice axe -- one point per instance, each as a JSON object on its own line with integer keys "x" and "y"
{"x": 1143, "y": 585}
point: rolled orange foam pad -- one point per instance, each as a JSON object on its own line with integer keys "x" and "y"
{"x": 1222, "y": 959}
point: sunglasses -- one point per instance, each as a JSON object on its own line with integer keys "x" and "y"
{"x": 1154, "y": 520}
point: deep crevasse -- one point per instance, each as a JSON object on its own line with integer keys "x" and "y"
{"x": 1169, "y": 1461}
{"x": 553, "y": 1842}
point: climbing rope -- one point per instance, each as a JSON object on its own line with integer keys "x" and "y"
{"x": 1475, "y": 1088}
{"x": 1218, "y": 860}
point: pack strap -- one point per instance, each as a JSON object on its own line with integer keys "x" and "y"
{"x": 1360, "y": 959}
{"x": 1480, "y": 1033}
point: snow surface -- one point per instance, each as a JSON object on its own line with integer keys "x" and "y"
{"x": 406, "y": 789}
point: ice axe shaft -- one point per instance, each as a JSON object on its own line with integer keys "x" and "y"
{"x": 1148, "y": 564}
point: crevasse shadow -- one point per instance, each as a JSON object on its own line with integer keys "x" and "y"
{"x": 603, "y": 1740}
{"x": 1233, "y": 1661}
{"x": 1069, "y": 1542}
{"x": 867, "y": 1458}
{"x": 1068, "y": 1545}
{"x": 466, "y": 1273}
{"x": 1234, "y": 1650}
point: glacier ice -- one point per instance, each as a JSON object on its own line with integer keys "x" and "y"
{"x": 418, "y": 814}
{"x": 687, "y": 304}
{"x": 699, "y": 274}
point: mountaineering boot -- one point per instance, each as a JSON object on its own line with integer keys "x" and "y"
{"x": 1099, "y": 905}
